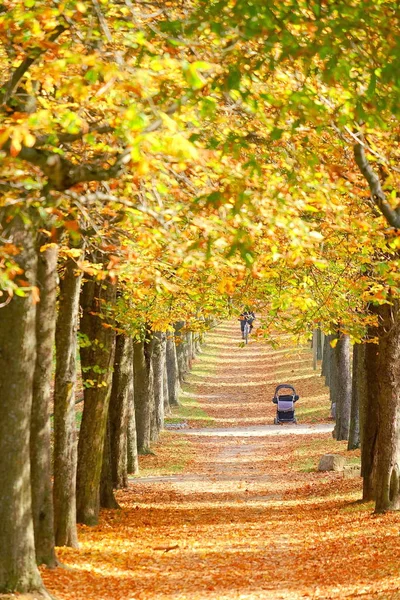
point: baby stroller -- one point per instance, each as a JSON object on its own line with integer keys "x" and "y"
{"x": 285, "y": 402}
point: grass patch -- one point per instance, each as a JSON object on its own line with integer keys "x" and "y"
{"x": 359, "y": 506}
{"x": 312, "y": 414}
{"x": 172, "y": 454}
{"x": 306, "y": 458}
{"x": 189, "y": 410}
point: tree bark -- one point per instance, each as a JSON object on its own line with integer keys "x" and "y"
{"x": 107, "y": 498}
{"x": 189, "y": 350}
{"x": 369, "y": 416}
{"x": 388, "y": 455}
{"x": 167, "y": 408}
{"x": 180, "y": 343}
{"x": 158, "y": 359}
{"x": 172, "y": 370}
{"x": 18, "y": 570}
{"x": 121, "y": 396}
{"x": 40, "y": 449}
{"x": 343, "y": 393}
{"x": 144, "y": 393}
{"x": 97, "y": 360}
{"x": 320, "y": 344}
{"x": 326, "y": 360}
{"x": 133, "y": 462}
{"x": 357, "y": 389}
{"x": 65, "y": 442}
{"x": 314, "y": 348}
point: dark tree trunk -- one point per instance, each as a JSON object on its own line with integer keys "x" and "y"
{"x": 188, "y": 351}
{"x": 172, "y": 371}
{"x": 40, "y": 451}
{"x": 65, "y": 450}
{"x": 196, "y": 344}
{"x": 167, "y": 408}
{"x": 158, "y": 359}
{"x": 133, "y": 462}
{"x": 121, "y": 396}
{"x": 107, "y": 498}
{"x": 144, "y": 393}
{"x": 18, "y": 570}
{"x": 388, "y": 455}
{"x": 180, "y": 343}
{"x": 97, "y": 360}
{"x": 320, "y": 344}
{"x": 369, "y": 417}
{"x": 357, "y": 389}
{"x": 343, "y": 394}
{"x": 326, "y": 360}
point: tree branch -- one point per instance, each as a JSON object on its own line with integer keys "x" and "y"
{"x": 20, "y": 71}
{"x": 69, "y": 138}
{"x": 63, "y": 174}
{"x": 378, "y": 195}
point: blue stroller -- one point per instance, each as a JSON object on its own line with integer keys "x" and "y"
{"x": 285, "y": 404}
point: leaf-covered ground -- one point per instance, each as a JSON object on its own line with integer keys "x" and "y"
{"x": 238, "y": 516}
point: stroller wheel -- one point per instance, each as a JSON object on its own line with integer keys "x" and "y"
{"x": 275, "y": 421}
{"x": 294, "y": 420}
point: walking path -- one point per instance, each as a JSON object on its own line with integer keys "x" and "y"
{"x": 249, "y": 518}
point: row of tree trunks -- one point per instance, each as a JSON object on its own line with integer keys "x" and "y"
{"x": 367, "y": 403}
{"x": 337, "y": 371}
{"x": 35, "y": 514}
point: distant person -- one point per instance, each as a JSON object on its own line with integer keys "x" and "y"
{"x": 247, "y": 316}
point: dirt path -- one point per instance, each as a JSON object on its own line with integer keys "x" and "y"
{"x": 249, "y": 518}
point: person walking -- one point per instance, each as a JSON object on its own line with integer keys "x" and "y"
{"x": 247, "y": 316}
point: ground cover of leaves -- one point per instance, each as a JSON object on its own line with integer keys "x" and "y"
{"x": 231, "y": 515}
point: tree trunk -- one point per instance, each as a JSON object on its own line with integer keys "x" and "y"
{"x": 172, "y": 371}
{"x": 97, "y": 360}
{"x": 107, "y": 498}
{"x": 314, "y": 348}
{"x": 326, "y": 360}
{"x": 144, "y": 393}
{"x": 180, "y": 343}
{"x": 65, "y": 449}
{"x": 357, "y": 389}
{"x": 18, "y": 570}
{"x": 388, "y": 455}
{"x": 320, "y": 344}
{"x": 158, "y": 359}
{"x": 133, "y": 462}
{"x": 343, "y": 394}
{"x": 167, "y": 408}
{"x": 121, "y": 396}
{"x": 40, "y": 450}
{"x": 189, "y": 350}
{"x": 369, "y": 417}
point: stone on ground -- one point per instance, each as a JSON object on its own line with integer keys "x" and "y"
{"x": 331, "y": 462}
